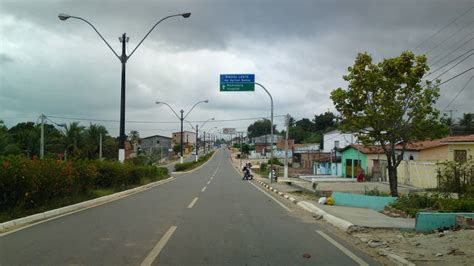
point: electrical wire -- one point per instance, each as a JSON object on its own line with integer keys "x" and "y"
{"x": 449, "y": 37}
{"x": 434, "y": 71}
{"x": 457, "y": 94}
{"x": 450, "y": 53}
{"x": 464, "y": 59}
{"x": 440, "y": 30}
{"x": 460, "y": 74}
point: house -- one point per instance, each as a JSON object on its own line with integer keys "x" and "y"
{"x": 156, "y": 144}
{"x": 337, "y": 139}
{"x": 262, "y": 143}
{"x": 451, "y": 148}
{"x": 359, "y": 156}
{"x": 189, "y": 138}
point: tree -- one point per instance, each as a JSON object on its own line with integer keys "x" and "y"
{"x": 324, "y": 122}
{"x": 7, "y": 146}
{"x": 92, "y": 140}
{"x": 26, "y": 136}
{"x": 74, "y": 139}
{"x": 386, "y": 104}
{"x": 467, "y": 123}
{"x": 260, "y": 128}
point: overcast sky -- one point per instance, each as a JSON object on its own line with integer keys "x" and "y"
{"x": 298, "y": 49}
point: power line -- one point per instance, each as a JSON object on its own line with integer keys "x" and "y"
{"x": 459, "y": 47}
{"x": 457, "y": 94}
{"x": 434, "y": 71}
{"x": 462, "y": 73}
{"x": 449, "y": 37}
{"x": 440, "y": 30}
{"x": 465, "y": 58}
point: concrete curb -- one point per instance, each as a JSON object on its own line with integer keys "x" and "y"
{"x": 194, "y": 169}
{"x": 307, "y": 206}
{"x": 78, "y": 206}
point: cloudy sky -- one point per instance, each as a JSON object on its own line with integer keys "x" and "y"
{"x": 298, "y": 49}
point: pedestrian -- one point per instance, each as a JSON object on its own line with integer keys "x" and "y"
{"x": 274, "y": 174}
{"x": 360, "y": 176}
{"x": 244, "y": 170}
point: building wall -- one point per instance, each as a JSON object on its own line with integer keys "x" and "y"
{"x": 353, "y": 154}
{"x": 434, "y": 154}
{"x": 344, "y": 140}
{"x": 469, "y": 148}
{"x": 188, "y": 137}
{"x": 149, "y": 145}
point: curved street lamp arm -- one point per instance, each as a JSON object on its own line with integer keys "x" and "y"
{"x": 202, "y": 126}
{"x": 193, "y": 108}
{"x": 176, "y": 114}
{"x": 190, "y": 124}
{"x": 151, "y": 31}
{"x": 90, "y": 24}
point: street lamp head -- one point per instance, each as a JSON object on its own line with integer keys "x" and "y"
{"x": 206, "y": 101}
{"x": 186, "y": 15}
{"x": 157, "y": 102}
{"x": 63, "y": 16}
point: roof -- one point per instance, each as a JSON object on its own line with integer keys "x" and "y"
{"x": 184, "y": 131}
{"x": 365, "y": 149}
{"x": 156, "y": 136}
{"x": 465, "y": 138}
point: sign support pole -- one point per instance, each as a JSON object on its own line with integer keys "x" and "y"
{"x": 271, "y": 131}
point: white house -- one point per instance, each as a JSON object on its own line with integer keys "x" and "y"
{"x": 337, "y": 139}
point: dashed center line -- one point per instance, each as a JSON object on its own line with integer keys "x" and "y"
{"x": 208, "y": 182}
{"x": 158, "y": 247}
{"x": 204, "y": 188}
{"x": 192, "y": 203}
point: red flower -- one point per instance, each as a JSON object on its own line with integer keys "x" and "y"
{"x": 5, "y": 164}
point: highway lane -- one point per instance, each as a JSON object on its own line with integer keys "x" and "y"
{"x": 207, "y": 217}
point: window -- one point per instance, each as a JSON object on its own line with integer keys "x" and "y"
{"x": 460, "y": 156}
{"x": 336, "y": 143}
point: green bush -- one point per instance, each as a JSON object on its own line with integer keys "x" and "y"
{"x": 275, "y": 161}
{"x": 457, "y": 177}
{"x": 183, "y": 166}
{"x": 34, "y": 184}
{"x": 263, "y": 167}
{"x": 412, "y": 203}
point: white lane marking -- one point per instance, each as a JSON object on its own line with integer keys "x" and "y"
{"x": 208, "y": 182}
{"x": 212, "y": 177}
{"x": 343, "y": 249}
{"x": 158, "y": 247}
{"x": 192, "y": 203}
{"x": 279, "y": 203}
{"x": 204, "y": 188}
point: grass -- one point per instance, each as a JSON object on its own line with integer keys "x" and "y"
{"x": 7, "y": 215}
{"x": 305, "y": 195}
{"x": 179, "y": 167}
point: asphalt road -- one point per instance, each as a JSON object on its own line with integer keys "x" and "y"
{"x": 207, "y": 217}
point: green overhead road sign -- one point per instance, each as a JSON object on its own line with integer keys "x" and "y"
{"x": 237, "y": 82}
{"x": 237, "y": 87}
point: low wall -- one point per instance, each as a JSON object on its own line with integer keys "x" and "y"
{"x": 429, "y": 221}
{"x": 361, "y": 201}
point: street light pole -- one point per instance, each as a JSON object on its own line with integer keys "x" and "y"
{"x": 123, "y": 59}
{"x": 271, "y": 131}
{"x": 181, "y": 138}
{"x": 197, "y": 142}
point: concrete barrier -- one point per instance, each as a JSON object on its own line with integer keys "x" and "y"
{"x": 361, "y": 201}
{"x": 429, "y": 221}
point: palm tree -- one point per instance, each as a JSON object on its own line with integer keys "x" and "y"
{"x": 92, "y": 139}
{"x": 74, "y": 138}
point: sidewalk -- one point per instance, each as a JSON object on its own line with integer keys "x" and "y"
{"x": 340, "y": 216}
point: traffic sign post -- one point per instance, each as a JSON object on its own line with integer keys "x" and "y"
{"x": 246, "y": 82}
{"x": 237, "y": 82}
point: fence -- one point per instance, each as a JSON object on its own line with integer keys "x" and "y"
{"x": 418, "y": 174}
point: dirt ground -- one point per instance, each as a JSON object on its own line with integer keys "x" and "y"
{"x": 440, "y": 248}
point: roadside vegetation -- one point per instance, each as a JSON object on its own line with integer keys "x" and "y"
{"x": 29, "y": 186}
{"x": 179, "y": 167}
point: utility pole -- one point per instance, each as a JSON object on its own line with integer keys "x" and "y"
{"x": 100, "y": 146}
{"x": 42, "y": 117}
{"x": 197, "y": 142}
{"x": 204, "y": 145}
{"x": 241, "y": 155}
{"x": 451, "y": 120}
{"x": 181, "y": 139}
{"x": 287, "y": 122}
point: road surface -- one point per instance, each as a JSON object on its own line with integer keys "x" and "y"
{"x": 207, "y": 217}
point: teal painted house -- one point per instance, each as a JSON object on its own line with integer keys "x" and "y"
{"x": 356, "y": 157}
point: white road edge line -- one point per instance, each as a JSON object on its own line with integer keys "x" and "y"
{"x": 279, "y": 203}
{"x": 192, "y": 203}
{"x": 158, "y": 247}
{"x": 343, "y": 249}
{"x": 204, "y": 188}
